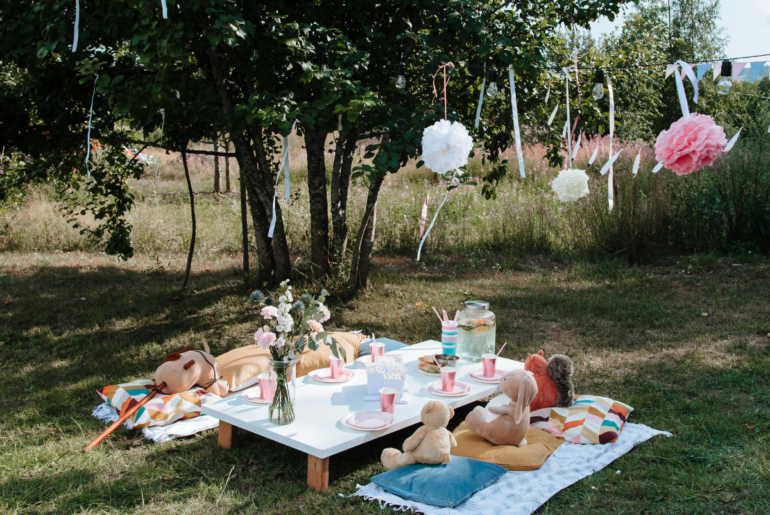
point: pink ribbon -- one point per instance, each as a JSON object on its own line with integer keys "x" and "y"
{"x": 435, "y": 91}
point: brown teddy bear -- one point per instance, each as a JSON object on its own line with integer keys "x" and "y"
{"x": 512, "y": 425}
{"x": 181, "y": 370}
{"x": 431, "y": 444}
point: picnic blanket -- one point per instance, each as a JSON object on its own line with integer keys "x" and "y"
{"x": 159, "y": 434}
{"x": 521, "y": 493}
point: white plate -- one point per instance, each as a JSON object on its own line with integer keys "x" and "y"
{"x": 363, "y": 360}
{"x": 368, "y": 420}
{"x": 461, "y": 389}
{"x": 324, "y": 375}
{"x": 252, "y": 395}
{"x": 478, "y": 375}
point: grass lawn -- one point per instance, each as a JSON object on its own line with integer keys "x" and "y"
{"x": 685, "y": 344}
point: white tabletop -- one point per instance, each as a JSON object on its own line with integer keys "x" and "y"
{"x": 317, "y": 429}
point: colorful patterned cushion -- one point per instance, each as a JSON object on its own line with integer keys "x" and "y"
{"x": 590, "y": 420}
{"x": 161, "y": 410}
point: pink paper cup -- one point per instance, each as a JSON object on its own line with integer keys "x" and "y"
{"x": 488, "y": 362}
{"x": 448, "y": 375}
{"x": 267, "y": 383}
{"x": 388, "y": 400}
{"x": 377, "y": 350}
{"x": 335, "y": 366}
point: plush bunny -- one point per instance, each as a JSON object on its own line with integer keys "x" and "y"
{"x": 512, "y": 425}
{"x": 181, "y": 370}
{"x": 554, "y": 380}
{"x": 431, "y": 444}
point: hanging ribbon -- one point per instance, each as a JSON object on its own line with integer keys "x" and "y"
{"x": 608, "y": 167}
{"x": 569, "y": 131}
{"x": 577, "y": 146}
{"x": 687, "y": 70}
{"x": 547, "y": 96}
{"x": 435, "y": 91}
{"x": 481, "y": 97}
{"x": 610, "y": 194}
{"x": 593, "y": 156}
{"x": 732, "y": 141}
{"x": 77, "y": 26}
{"x": 424, "y": 215}
{"x": 515, "y": 110}
{"x": 553, "y": 114}
{"x": 419, "y": 250}
{"x": 90, "y": 115}
{"x": 657, "y": 168}
{"x": 284, "y": 164}
{"x": 564, "y": 130}
{"x": 636, "y": 162}
{"x": 165, "y": 9}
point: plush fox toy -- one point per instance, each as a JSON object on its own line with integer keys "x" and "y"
{"x": 554, "y": 380}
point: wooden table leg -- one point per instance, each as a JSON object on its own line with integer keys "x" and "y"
{"x": 227, "y": 435}
{"x": 317, "y": 473}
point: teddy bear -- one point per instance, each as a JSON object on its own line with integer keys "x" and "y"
{"x": 511, "y": 427}
{"x": 554, "y": 380}
{"x": 186, "y": 368}
{"x": 431, "y": 444}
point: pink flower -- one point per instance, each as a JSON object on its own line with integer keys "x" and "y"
{"x": 690, "y": 144}
{"x": 269, "y": 312}
{"x": 266, "y": 338}
{"x": 316, "y": 327}
{"x": 326, "y": 313}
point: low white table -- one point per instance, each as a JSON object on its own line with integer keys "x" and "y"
{"x": 317, "y": 429}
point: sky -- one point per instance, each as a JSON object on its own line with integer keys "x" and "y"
{"x": 746, "y": 22}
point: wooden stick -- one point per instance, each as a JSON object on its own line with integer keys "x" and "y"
{"x": 124, "y": 417}
{"x": 501, "y": 349}
{"x": 439, "y": 316}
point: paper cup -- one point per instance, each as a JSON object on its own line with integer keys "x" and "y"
{"x": 335, "y": 366}
{"x": 448, "y": 375}
{"x": 388, "y": 400}
{"x": 488, "y": 364}
{"x": 377, "y": 350}
{"x": 449, "y": 338}
{"x": 267, "y": 381}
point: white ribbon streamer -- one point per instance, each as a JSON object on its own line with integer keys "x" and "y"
{"x": 547, "y": 96}
{"x": 610, "y": 194}
{"x": 569, "y": 129}
{"x": 284, "y": 164}
{"x": 577, "y": 146}
{"x": 687, "y": 70}
{"x": 419, "y": 250}
{"x": 90, "y": 115}
{"x": 636, "y": 162}
{"x": 165, "y": 9}
{"x": 657, "y": 168}
{"x": 564, "y": 130}
{"x": 553, "y": 114}
{"x": 731, "y": 143}
{"x": 77, "y": 26}
{"x": 481, "y": 97}
{"x": 608, "y": 167}
{"x": 519, "y": 153}
{"x": 593, "y": 156}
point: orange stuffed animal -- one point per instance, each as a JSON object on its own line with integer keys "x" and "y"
{"x": 554, "y": 380}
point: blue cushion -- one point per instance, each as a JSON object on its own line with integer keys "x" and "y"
{"x": 445, "y": 485}
{"x": 390, "y": 345}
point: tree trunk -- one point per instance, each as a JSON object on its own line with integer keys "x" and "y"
{"x": 244, "y": 221}
{"x": 360, "y": 262}
{"x": 343, "y": 163}
{"x": 228, "y": 189}
{"x": 192, "y": 214}
{"x": 315, "y": 142}
{"x": 217, "y": 179}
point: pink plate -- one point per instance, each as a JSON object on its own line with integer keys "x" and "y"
{"x": 368, "y": 420}
{"x": 460, "y": 389}
{"x": 478, "y": 375}
{"x": 324, "y": 375}
{"x": 252, "y": 395}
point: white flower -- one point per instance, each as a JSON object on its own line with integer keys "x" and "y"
{"x": 571, "y": 185}
{"x": 445, "y": 146}
{"x": 280, "y": 342}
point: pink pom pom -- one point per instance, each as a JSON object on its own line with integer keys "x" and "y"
{"x": 690, "y": 144}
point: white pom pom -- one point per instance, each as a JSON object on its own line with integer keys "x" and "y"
{"x": 445, "y": 146}
{"x": 571, "y": 185}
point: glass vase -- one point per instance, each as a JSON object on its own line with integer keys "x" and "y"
{"x": 282, "y": 406}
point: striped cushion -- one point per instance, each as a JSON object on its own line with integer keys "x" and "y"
{"x": 590, "y": 420}
{"x": 161, "y": 410}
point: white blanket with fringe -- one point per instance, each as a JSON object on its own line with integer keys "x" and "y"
{"x": 521, "y": 493}
{"x": 158, "y": 434}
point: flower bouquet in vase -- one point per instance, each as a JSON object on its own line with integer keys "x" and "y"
{"x": 287, "y": 327}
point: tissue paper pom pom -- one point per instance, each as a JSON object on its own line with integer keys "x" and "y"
{"x": 571, "y": 185}
{"x": 690, "y": 144}
{"x": 445, "y": 146}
